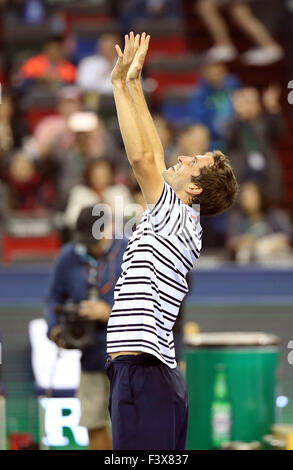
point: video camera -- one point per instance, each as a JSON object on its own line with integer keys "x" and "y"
{"x": 76, "y": 332}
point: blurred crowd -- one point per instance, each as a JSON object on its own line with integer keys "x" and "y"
{"x": 72, "y": 156}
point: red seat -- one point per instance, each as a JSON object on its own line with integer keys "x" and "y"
{"x": 2, "y": 77}
{"x": 72, "y": 19}
{"x": 25, "y": 247}
{"x": 167, "y": 45}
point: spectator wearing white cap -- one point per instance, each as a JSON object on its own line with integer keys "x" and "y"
{"x": 83, "y": 122}
{"x": 55, "y": 127}
{"x": 89, "y": 139}
{"x": 72, "y": 164}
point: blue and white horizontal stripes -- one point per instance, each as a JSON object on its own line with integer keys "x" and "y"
{"x": 152, "y": 285}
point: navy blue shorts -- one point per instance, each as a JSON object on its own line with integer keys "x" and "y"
{"x": 148, "y": 404}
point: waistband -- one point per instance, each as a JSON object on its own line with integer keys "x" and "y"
{"x": 143, "y": 359}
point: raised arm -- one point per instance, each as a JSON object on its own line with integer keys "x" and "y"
{"x": 134, "y": 85}
{"x": 137, "y": 145}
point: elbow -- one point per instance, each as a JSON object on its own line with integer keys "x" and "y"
{"x": 138, "y": 158}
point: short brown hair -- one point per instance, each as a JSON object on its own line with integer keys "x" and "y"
{"x": 219, "y": 186}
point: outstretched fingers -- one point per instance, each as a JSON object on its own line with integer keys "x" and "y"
{"x": 134, "y": 45}
{"x": 144, "y": 43}
{"x": 131, "y": 46}
{"x": 142, "y": 50}
{"x": 126, "y": 46}
{"x": 119, "y": 52}
{"x": 136, "y": 42}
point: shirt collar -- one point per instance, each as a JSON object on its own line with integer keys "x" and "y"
{"x": 194, "y": 213}
{"x": 83, "y": 254}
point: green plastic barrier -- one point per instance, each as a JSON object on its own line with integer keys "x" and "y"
{"x": 250, "y": 361}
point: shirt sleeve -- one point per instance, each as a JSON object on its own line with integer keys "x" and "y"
{"x": 167, "y": 215}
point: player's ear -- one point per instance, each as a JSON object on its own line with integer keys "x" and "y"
{"x": 193, "y": 189}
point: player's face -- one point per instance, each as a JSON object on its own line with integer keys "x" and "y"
{"x": 179, "y": 175}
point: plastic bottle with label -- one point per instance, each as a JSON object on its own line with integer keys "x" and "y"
{"x": 221, "y": 408}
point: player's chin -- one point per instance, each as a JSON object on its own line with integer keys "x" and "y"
{"x": 166, "y": 175}
{"x": 168, "y": 172}
{"x": 169, "y": 176}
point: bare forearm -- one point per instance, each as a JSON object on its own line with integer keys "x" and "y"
{"x": 147, "y": 123}
{"x": 136, "y": 145}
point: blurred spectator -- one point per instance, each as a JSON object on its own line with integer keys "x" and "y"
{"x": 211, "y": 103}
{"x": 6, "y": 130}
{"x": 90, "y": 140}
{"x": 26, "y": 11}
{"x": 193, "y": 140}
{"x": 159, "y": 10}
{"x": 27, "y": 188}
{"x": 251, "y": 135}
{"x": 100, "y": 142}
{"x": 33, "y": 11}
{"x": 50, "y": 68}
{"x": 53, "y": 128}
{"x": 12, "y": 125}
{"x": 98, "y": 187}
{"x": 267, "y": 51}
{"x": 72, "y": 164}
{"x": 94, "y": 72}
{"x": 256, "y": 231}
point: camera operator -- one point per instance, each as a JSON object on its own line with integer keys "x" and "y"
{"x": 81, "y": 296}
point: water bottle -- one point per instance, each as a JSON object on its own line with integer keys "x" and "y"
{"x": 221, "y": 409}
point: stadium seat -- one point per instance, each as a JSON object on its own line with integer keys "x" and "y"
{"x": 167, "y": 37}
{"x": 38, "y": 103}
{"x": 169, "y": 72}
{"x": 76, "y": 8}
{"x": 177, "y": 94}
{"x": 19, "y": 35}
{"x": 92, "y": 29}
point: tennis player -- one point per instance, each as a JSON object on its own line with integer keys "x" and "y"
{"x": 148, "y": 400}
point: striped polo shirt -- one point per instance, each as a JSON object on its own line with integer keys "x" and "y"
{"x": 152, "y": 284}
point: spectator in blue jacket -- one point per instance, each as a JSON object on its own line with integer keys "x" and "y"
{"x": 211, "y": 104}
{"x": 72, "y": 281}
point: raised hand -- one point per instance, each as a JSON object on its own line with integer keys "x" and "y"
{"x": 136, "y": 66}
{"x": 125, "y": 58}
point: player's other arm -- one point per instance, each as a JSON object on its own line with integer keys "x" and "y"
{"x": 138, "y": 148}
{"x": 135, "y": 89}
